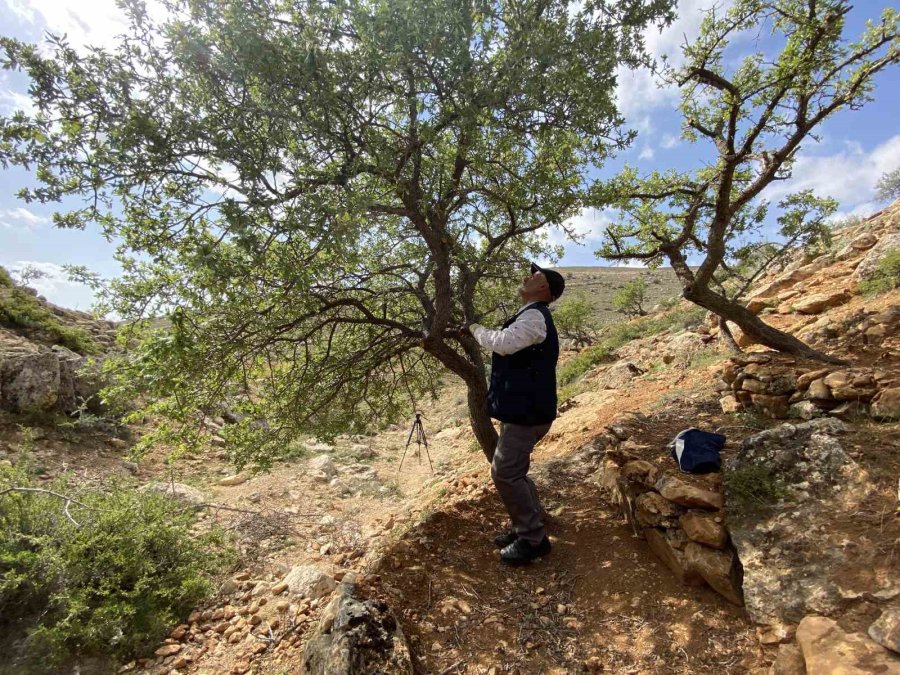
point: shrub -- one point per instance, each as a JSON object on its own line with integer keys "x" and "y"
{"x": 629, "y": 300}
{"x": 886, "y": 276}
{"x": 888, "y": 186}
{"x": 19, "y": 309}
{"x": 753, "y": 488}
{"x": 110, "y": 581}
{"x": 574, "y": 318}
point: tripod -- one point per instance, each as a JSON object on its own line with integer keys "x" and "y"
{"x": 421, "y": 442}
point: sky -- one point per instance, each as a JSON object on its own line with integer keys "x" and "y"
{"x": 854, "y": 150}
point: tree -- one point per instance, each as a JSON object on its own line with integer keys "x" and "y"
{"x": 888, "y": 186}
{"x": 574, "y": 318}
{"x": 629, "y": 300}
{"x": 754, "y": 117}
{"x": 314, "y": 193}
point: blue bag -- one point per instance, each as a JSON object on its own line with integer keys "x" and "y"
{"x": 697, "y": 451}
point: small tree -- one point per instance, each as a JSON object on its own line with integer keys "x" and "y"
{"x": 28, "y": 273}
{"x": 574, "y": 318}
{"x": 754, "y": 116}
{"x": 314, "y": 193}
{"x": 629, "y": 300}
{"x": 888, "y": 186}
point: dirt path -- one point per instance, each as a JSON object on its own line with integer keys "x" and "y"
{"x": 600, "y": 602}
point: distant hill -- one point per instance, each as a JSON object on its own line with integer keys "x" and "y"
{"x": 599, "y": 284}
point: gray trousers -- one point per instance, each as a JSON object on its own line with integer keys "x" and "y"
{"x": 509, "y": 470}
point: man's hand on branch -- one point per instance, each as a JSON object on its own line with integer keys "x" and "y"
{"x": 458, "y": 332}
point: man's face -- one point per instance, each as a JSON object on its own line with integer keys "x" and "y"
{"x": 534, "y": 285}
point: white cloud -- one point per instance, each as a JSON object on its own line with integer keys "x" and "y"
{"x": 55, "y": 284}
{"x": 849, "y": 175}
{"x": 637, "y": 90}
{"x": 105, "y": 22}
{"x": 669, "y": 141}
{"x": 21, "y": 218}
{"x": 646, "y": 153}
{"x": 864, "y": 210}
{"x": 11, "y": 101}
{"x": 589, "y": 226}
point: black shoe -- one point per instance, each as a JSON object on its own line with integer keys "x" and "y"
{"x": 521, "y": 551}
{"x": 504, "y": 539}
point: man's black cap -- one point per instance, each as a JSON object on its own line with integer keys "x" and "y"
{"x": 554, "y": 280}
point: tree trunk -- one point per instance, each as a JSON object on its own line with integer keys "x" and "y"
{"x": 481, "y": 423}
{"x": 472, "y": 371}
{"x": 727, "y": 337}
{"x": 753, "y": 326}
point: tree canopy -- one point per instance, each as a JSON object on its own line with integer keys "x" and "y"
{"x": 314, "y": 192}
{"x": 753, "y": 113}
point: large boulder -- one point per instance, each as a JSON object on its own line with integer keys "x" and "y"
{"x": 309, "y": 581}
{"x": 356, "y": 635}
{"x": 886, "y": 630}
{"x": 618, "y": 375}
{"x": 791, "y": 568}
{"x": 886, "y": 406}
{"x": 819, "y": 302}
{"x": 866, "y": 268}
{"x": 828, "y": 650}
{"x": 29, "y": 382}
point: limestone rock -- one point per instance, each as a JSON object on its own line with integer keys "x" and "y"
{"x": 828, "y": 650}
{"x": 886, "y": 630}
{"x": 864, "y": 242}
{"x": 787, "y": 572}
{"x": 309, "y": 581}
{"x": 323, "y": 464}
{"x": 619, "y": 375}
{"x": 665, "y": 547}
{"x": 236, "y": 479}
{"x": 775, "y": 407}
{"x": 819, "y": 390}
{"x": 356, "y": 635}
{"x": 788, "y": 661}
{"x": 652, "y": 510}
{"x": 806, "y": 410}
{"x": 804, "y": 380}
{"x": 876, "y": 254}
{"x": 730, "y": 404}
{"x": 678, "y": 490}
{"x": 179, "y": 491}
{"x": 29, "y": 382}
{"x": 819, "y": 302}
{"x": 640, "y": 471}
{"x": 718, "y": 568}
{"x": 886, "y": 405}
{"x": 703, "y": 528}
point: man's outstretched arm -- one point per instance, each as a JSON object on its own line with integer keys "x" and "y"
{"x": 529, "y": 329}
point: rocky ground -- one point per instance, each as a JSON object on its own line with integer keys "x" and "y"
{"x": 650, "y": 573}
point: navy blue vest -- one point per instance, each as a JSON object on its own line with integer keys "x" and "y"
{"x": 523, "y": 384}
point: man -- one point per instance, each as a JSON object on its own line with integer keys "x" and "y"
{"x": 522, "y": 396}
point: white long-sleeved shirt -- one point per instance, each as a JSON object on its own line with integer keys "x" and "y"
{"x": 528, "y": 329}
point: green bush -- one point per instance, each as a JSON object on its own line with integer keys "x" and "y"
{"x": 886, "y": 276}
{"x": 111, "y": 585}
{"x": 19, "y": 309}
{"x": 574, "y": 318}
{"x": 629, "y": 300}
{"x": 753, "y": 488}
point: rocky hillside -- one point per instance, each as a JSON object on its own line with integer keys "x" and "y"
{"x": 786, "y": 562}
{"x": 44, "y": 353}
